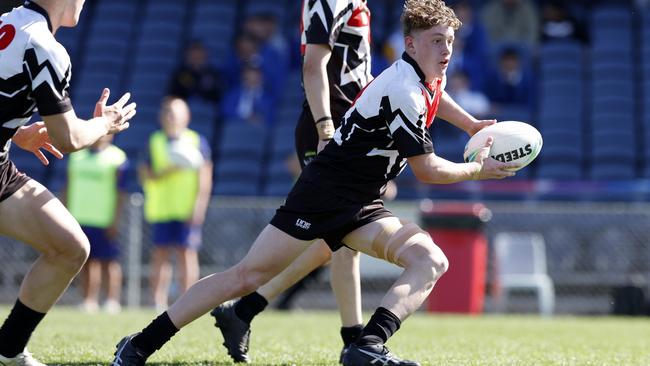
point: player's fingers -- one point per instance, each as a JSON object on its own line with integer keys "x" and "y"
{"x": 512, "y": 166}
{"x": 104, "y": 97}
{"x": 122, "y": 101}
{"x": 53, "y": 150}
{"x": 489, "y": 141}
{"x": 130, "y": 115}
{"x": 128, "y": 109}
{"x": 41, "y": 157}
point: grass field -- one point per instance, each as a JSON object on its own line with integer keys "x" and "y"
{"x": 67, "y": 337}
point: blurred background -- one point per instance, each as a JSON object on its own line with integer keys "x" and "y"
{"x": 569, "y": 234}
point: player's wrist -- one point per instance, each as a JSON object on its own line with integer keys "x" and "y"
{"x": 325, "y": 128}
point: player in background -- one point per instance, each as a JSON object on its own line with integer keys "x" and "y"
{"x": 98, "y": 175}
{"x": 335, "y": 45}
{"x": 337, "y": 196}
{"x": 35, "y": 73}
{"x": 176, "y": 198}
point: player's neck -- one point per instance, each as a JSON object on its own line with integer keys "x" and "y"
{"x": 54, "y": 10}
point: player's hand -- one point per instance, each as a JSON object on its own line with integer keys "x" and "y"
{"x": 117, "y": 115}
{"x": 33, "y": 138}
{"x": 321, "y": 145}
{"x": 491, "y": 168}
{"x": 479, "y": 125}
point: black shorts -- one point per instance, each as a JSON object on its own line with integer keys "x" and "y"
{"x": 306, "y": 136}
{"x": 10, "y": 179}
{"x": 311, "y": 212}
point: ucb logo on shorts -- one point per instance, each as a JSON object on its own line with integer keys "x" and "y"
{"x": 514, "y": 154}
{"x": 303, "y": 224}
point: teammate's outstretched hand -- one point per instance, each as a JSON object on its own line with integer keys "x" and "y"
{"x": 117, "y": 115}
{"x": 33, "y": 138}
{"x": 491, "y": 168}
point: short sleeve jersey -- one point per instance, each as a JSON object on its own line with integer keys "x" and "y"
{"x": 34, "y": 71}
{"x": 344, "y": 26}
{"x": 388, "y": 123}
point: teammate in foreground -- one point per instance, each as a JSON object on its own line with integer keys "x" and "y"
{"x": 35, "y": 73}
{"x": 337, "y": 197}
{"x": 336, "y": 67}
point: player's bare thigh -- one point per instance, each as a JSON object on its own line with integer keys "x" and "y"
{"x": 273, "y": 251}
{"x": 391, "y": 240}
{"x": 36, "y": 217}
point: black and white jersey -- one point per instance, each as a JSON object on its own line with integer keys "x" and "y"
{"x": 343, "y": 25}
{"x": 34, "y": 71}
{"x": 388, "y": 123}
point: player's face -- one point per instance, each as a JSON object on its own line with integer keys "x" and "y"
{"x": 174, "y": 117}
{"x": 72, "y": 12}
{"x": 431, "y": 49}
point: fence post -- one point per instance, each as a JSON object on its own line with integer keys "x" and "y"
{"x": 134, "y": 256}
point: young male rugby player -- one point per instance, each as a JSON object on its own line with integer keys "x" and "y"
{"x": 35, "y": 73}
{"x": 337, "y": 199}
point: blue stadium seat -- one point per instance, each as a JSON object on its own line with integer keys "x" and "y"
{"x": 278, "y": 178}
{"x": 612, "y": 71}
{"x": 242, "y": 139}
{"x": 565, "y": 70}
{"x": 237, "y": 176}
{"x": 621, "y": 108}
{"x": 606, "y": 121}
{"x": 610, "y": 16}
{"x": 562, "y": 88}
{"x": 559, "y": 170}
{"x": 602, "y": 89}
{"x": 563, "y": 51}
{"x": 379, "y": 14}
{"x": 612, "y": 171}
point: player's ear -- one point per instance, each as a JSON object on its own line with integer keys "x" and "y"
{"x": 408, "y": 44}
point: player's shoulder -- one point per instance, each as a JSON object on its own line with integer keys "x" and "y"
{"x": 46, "y": 47}
{"x": 402, "y": 86}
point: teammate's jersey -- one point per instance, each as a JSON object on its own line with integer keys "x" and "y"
{"x": 343, "y": 25}
{"x": 34, "y": 71}
{"x": 387, "y": 124}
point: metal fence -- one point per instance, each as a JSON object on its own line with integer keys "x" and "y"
{"x": 591, "y": 249}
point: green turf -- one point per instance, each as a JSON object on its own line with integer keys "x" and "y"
{"x": 68, "y": 337}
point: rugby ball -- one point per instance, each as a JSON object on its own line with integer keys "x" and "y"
{"x": 514, "y": 142}
{"x": 184, "y": 155}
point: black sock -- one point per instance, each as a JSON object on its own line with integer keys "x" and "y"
{"x": 351, "y": 334}
{"x": 156, "y": 334}
{"x": 17, "y": 328}
{"x": 249, "y": 306}
{"x": 381, "y": 326}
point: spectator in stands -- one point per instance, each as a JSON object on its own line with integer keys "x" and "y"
{"x": 512, "y": 21}
{"x": 470, "y": 46}
{"x": 177, "y": 179}
{"x": 97, "y": 175}
{"x": 559, "y": 24}
{"x": 511, "y": 84}
{"x": 246, "y": 51}
{"x": 196, "y": 77}
{"x": 263, "y": 28}
{"x": 474, "y": 102}
{"x": 250, "y": 102}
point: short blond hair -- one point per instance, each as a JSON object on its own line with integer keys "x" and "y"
{"x": 424, "y": 14}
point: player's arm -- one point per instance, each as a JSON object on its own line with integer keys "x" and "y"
{"x": 203, "y": 196}
{"x": 317, "y": 90}
{"x": 430, "y": 168}
{"x": 69, "y": 133}
{"x": 453, "y": 113}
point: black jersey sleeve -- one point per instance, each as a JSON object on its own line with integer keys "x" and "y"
{"x": 48, "y": 66}
{"x": 326, "y": 19}
{"x": 406, "y": 115}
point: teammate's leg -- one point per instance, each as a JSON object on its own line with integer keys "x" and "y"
{"x": 161, "y": 276}
{"x": 346, "y": 285}
{"x": 411, "y": 248}
{"x": 34, "y": 216}
{"x": 188, "y": 267}
{"x": 271, "y": 253}
{"x": 234, "y": 318}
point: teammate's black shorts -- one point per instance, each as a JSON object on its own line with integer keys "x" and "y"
{"x": 311, "y": 212}
{"x": 10, "y": 179}
{"x": 306, "y": 136}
